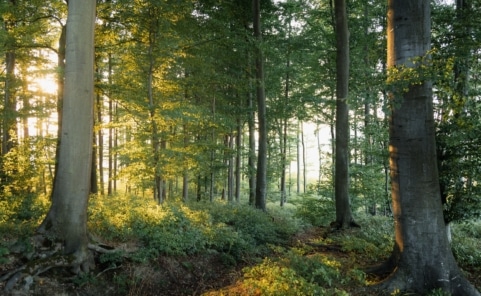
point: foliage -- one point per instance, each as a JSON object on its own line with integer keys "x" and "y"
{"x": 20, "y": 214}
{"x": 3, "y": 253}
{"x": 456, "y": 61}
{"x": 176, "y": 229}
{"x": 316, "y": 211}
{"x": 465, "y": 243}
{"x": 373, "y": 241}
{"x": 274, "y": 277}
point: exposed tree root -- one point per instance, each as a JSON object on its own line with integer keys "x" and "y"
{"x": 45, "y": 258}
{"x": 336, "y": 225}
{"x": 399, "y": 281}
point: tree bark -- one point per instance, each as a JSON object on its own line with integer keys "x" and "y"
{"x": 66, "y": 220}
{"x": 100, "y": 145}
{"x": 344, "y": 217}
{"x": 261, "y": 181}
{"x": 252, "y": 150}
{"x": 422, "y": 253}
{"x": 238, "y": 160}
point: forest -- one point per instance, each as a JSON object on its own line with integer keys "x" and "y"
{"x": 235, "y": 147}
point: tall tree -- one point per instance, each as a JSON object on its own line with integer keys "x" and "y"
{"x": 66, "y": 220}
{"x": 422, "y": 259}
{"x": 261, "y": 183}
{"x": 344, "y": 217}
{"x": 9, "y": 120}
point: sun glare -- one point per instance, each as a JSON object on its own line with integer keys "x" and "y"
{"x": 47, "y": 85}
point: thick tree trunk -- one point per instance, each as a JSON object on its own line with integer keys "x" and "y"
{"x": 344, "y": 217}
{"x": 422, "y": 253}
{"x": 66, "y": 220}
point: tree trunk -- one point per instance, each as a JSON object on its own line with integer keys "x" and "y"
{"x": 283, "y": 151}
{"x": 298, "y": 157}
{"x": 94, "y": 186}
{"x": 252, "y": 151}
{"x": 9, "y": 124}
{"x": 110, "y": 190}
{"x": 344, "y": 217}
{"x": 238, "y": 160}
{"x": 261, "y": 184}
{"x": 422, "y": 254}
{"x": 66, "y": 220}
{"x": 304, "y": 166}
{"x": 100, "y": 145}
{"x": 185, "y": 175}
{"x": 230, "y": 168}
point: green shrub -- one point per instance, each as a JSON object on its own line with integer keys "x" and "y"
{"x": 3, "y": 255}
{"x": 465, "y": 243}
{"x": 372, "y": 241}
{"x": 240, "y": 231}
{"x": 291, "y": 277}
{"x": 316, "y": 211}
{"x": 314, "y": 269}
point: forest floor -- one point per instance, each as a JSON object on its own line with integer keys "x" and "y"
{"x": 207, "y": 274}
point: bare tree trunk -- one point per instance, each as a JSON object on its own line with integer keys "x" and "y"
{"x": 94, "y": 188}
{"x": 212, "y": 154}
{"x": 230, "y": 170}
{"x": 344, "y": 217}
{"x": 238, "y": 160}
{"x": 283, "y": 150}
{"x": 114, "y": 156}
{"x": 111, "y": 152}
{"x": 304, "y": 166}
{"x": 252, "y": 151}
{"x": 261, "y": 184}
{"x": 66, "y": 220}
{"x": 185, "y": 175}
{"x": 298, "y": 157}
{"x": 100, "y": 145}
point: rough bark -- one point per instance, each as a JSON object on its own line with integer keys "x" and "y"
{"x": 422, "y": 255}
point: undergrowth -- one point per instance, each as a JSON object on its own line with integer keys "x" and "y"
{"x": 176, "y": 229}
{"x": 240, "y": 235}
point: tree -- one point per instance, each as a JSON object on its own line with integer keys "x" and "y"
{"x": 9, "y": 125}
{"x": 66, "y": 221}
{"x": 344, "y": 217}
{"x": 422, "y": 259}
{"x": 261, "y": 184}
